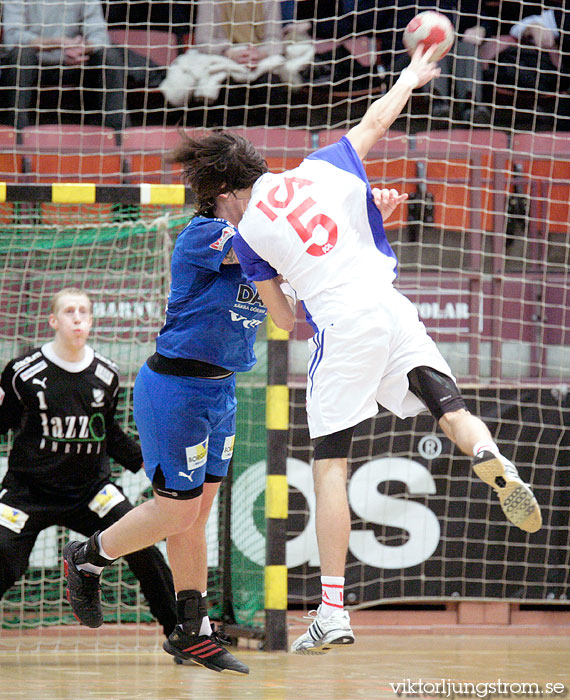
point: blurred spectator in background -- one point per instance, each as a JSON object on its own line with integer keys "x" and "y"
{"x": 243, "y": 31}
{"x": 479, "y": 60}
{"x": 482, "y": 22}
{"x": 61, "y": 42}
{"x": 344, "y": 35}
{"x": 477, "y": 19}
{"x": 238, "y": 57}
{"x": 536, "y": 62}
{"x": 333, "y": 19}
{"x": 521, "y": 47}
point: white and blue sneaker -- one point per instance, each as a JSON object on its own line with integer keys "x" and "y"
{"x": 517, "y": 500}
{"x": 324, "y": 633}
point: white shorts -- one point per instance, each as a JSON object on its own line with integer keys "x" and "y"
{"x": 358, "y": 363}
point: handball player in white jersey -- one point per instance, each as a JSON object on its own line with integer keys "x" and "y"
{"x": 320, "y": 227}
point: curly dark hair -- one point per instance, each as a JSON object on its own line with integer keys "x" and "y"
{"x": 217, "y": 163}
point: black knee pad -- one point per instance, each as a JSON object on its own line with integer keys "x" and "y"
{"x": 333, "y": 446}
{"x": 438, "y": 391}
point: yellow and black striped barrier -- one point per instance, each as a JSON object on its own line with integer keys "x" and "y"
{"x": 90, "y": 193}
{"x": 276, "y": 492}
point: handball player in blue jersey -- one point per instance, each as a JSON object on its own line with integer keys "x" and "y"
{"x": 320, "y": 226}
{"x": 184, "y": 399}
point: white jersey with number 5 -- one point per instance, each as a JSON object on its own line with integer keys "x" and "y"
{"x": 318, "y": 226}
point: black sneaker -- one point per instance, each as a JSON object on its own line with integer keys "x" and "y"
{"x": 83, "y": 589}
{"x": 203, "y": 650}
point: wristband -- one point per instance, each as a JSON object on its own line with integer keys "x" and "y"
{"x": 288, "y": 290}
{"x": 408, "y": 78}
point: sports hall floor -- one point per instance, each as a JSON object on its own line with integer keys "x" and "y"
{"x": 364, "y": 670}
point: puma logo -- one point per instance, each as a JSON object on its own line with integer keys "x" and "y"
{"x": 41, "y": 382}
{"x": 188, "y": 476}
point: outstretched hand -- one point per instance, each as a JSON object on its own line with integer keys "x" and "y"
{"x": 422, "y": 65}
{"x": 387, "y": 200}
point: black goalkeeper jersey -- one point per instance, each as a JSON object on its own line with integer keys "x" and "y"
{"x": 63, "y": 423}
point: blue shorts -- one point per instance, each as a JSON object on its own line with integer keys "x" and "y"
{"x": 187, "y": 430}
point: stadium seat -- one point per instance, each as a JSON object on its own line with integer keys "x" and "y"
{"x": 282, "y": 148}
{"x": 146, "y": 150}
{"x": 72, "y": 153}
{"x": 10, "y": 160}
{"x": 69, "y": 152}
{"x": 545, "y": 163}
{"x": 160, "y": 47}
{"x": 388, "y": 164}
{"x": 466, "y": 173}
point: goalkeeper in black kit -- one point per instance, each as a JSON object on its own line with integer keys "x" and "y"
{"x": 60, "y": 400}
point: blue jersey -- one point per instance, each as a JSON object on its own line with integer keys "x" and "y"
{"x": 213, "y": 311}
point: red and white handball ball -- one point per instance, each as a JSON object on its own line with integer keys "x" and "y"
{"x": 429, "y": 28}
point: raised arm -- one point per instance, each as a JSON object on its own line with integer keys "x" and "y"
{"x": 383, "y": 112}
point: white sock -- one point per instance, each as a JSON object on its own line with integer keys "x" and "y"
{"x": 90, "y": 568}
{"x": 332, "y": 595}
{"x": 102, "y": 552}
{"x": 485, "y": 445}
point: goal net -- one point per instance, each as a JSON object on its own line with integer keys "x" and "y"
{"x": 123, "y": 262}
{"x": 483, "y": 248}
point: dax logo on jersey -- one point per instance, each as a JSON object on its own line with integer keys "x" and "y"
{"x": 98, "y": 398}
{"x": 196, "y": 456}
{"x": 248, "y": 295}
{"x": 227, "y": 233}
{"x": 12, "y": 518}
